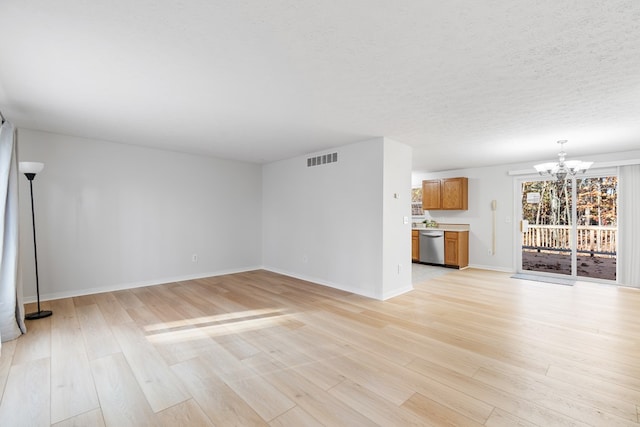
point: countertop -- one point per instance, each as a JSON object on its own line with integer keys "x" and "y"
{"x": 445, "y": 227}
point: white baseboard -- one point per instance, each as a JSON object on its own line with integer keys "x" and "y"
{"x": 132, "y": 285}
{"x": 386, "y": 296}
{"x": 397, "y": 292}
{"x": 322, "y": 282}
{"x": 122, "y": 286}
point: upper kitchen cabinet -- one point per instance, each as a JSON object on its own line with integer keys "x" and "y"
{"x": 445, "y": 194}
{"x": 431, "y": 194}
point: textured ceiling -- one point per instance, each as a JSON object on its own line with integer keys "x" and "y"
{"x": 465, "y": 83}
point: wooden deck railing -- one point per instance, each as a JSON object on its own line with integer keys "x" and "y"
{"x": 591, "y": 239}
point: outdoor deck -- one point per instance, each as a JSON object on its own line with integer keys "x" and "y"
{"x": 547, "y": 248}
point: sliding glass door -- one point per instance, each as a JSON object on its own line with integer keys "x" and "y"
{"x": 546, "y": 226}
{"x": 569, "y": 227}
{"x": 597, "y": 227}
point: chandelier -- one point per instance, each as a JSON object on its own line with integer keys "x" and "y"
{"x": 562, "y": 167}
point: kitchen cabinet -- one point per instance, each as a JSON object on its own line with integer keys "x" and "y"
{"x": 415, "y": 245}
{"x": 445, "y": 194}
{"x": 456, "y": 248}
{"x": 431, "y": 194}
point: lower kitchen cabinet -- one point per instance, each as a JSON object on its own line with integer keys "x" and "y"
{"x": 456, "y": 248}
{"x": 415, "y": 245}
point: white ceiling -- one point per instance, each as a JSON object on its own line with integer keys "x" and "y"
{"x": 465, "y": 83}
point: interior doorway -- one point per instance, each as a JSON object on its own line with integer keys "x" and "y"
{"x": 569, "y": 227}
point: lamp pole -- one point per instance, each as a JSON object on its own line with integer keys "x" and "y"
{"x": 30, "y": 170}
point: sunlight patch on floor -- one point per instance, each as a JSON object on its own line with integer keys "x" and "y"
{"x": 214, "y": 326}
{"x": 218, "y": 318}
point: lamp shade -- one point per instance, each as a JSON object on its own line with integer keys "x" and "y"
{"x": 546, "y": 167}
{"x": 30, "y": 167}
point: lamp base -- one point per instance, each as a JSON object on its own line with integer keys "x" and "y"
{"x": 38, "y": 315}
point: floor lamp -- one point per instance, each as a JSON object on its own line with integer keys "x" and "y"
{"x": 30, "y": 169}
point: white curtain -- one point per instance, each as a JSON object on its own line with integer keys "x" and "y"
{"x": 11, "y": 307}
{"x": 629, "y": 226}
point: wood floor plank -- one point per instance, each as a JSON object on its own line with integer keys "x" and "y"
{"x": 111, "y": 309}
{"x": 121, "y": 399}
{"x": 92, "y": 418}
{"x": 470, "y": 406}
{"x": 226, "y": 365}
{"x": 25, "y": 401}
{"x": 379, "y": 410}
{"x": 323, "y": 374}
{"x": 128, "y": 299}
{"x": 263, "y": 363}
{"x": 6, "y": 359}
{"x": 500, "y": 418}
{"x": 611, "y": 398}
{"x": 569, "y": 405}
{"x": 508, "y": 402}
{"x": 158, "y": 383}
{"x": 295, "y": 417}
{"x": 175, "y": 341}
{"x": 320, "y": 404}
{"x": 236, "y": 345}
{"x": 219, "y": 402}
{"x": 149, "y": 296}
{"x": 361, "y": 336}
{"x": 281, "y": 349}
{"x": 318, "y": 345}
{"x": 146, "y": 319}
{"x": 98, "y": 338}
{"x": 83, "y": 300}
{"x": 610, "y": 372}
{"x": 36, "y": 343}
{"x": 433, "y": 413}
{"x": 390, "y": 387}
{"x": 65, "y": 314}
{"x": 467, "y": 348}
{"x": 185, "y": 414}
{"x": 264, "y": 398}
{"x": 444, "y": 353}
{"x": 73, "y": 390}
{"x": 547, "y": 344}
{"x": 204, "y": 302}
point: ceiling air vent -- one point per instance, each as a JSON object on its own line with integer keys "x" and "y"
{"x": 322, "y": 160}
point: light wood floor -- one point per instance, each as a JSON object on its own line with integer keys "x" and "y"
{"x": 468, "y": 348}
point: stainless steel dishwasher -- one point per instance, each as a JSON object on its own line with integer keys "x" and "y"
{"x": 432, "y": 246}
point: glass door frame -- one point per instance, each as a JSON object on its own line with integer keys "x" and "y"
{"x": 518, "y": 223}
{"x": 518, "y": 181}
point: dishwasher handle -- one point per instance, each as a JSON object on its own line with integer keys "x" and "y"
{"x": 432, "y": 234}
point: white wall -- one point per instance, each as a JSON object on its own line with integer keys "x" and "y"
{"x": 326, "y": 223}
{"x": 396, "y": 233}
{"x": 485, "y": 185}
{"x": 112, "y": 216}
{"x": 494, "y": 183}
